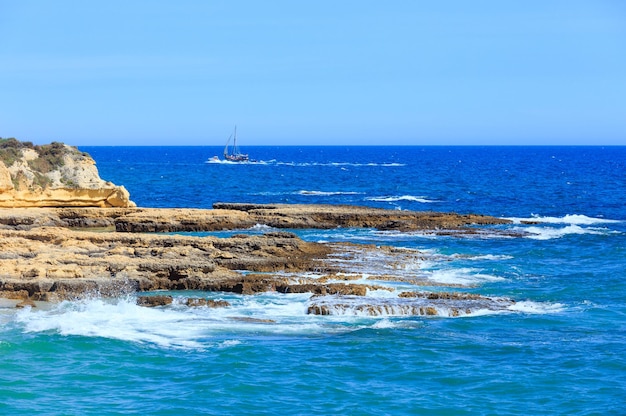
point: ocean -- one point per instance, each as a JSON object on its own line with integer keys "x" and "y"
{"x": 558, "y": 350}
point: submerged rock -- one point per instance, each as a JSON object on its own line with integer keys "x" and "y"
{"x": 209, "y": 303}
{"x": 26, "y": 303}
{"x": 250, "y": 320}
{"x": 421, "y": 304}
{"x": 152, "y": 301}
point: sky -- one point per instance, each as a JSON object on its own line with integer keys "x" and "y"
{"x": 314, "y": 72}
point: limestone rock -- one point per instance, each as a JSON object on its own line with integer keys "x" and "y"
{"x": 6, "y": 183}
{"x": 53, "y": 263}
{"x": 209, "y": 303}
{"x": 152, "y": 301}
{"x": 26, "y": 303}
{"x": 54, "y": 175}
{"x": 53, "y": 254}
{"x": 332, "y": 216}
{"x": 419, "y": 304}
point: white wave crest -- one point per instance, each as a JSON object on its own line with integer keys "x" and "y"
{"x": 531, "y": 307}
{"x": 524, "y": 307}
{"x": 177, "y": 326}
{"x": 325, "y": 193}
{"x": 549, "y": 233}
{"x": 411, "y": 198}
{"x": 491, "y": 257}
{"x": 262, "y": 227}
{"x": 121, "y": 319}
{"x": 340, "y": 164}
{"x": 461, "y": 277}
{"x": 573, "y": 219}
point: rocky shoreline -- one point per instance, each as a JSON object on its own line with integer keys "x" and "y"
{"x": 232, "y": 216}
{"x": 65, "y": 233}
{"x": 54, "y": 254}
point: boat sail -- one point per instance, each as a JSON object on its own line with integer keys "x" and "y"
{"x": 235, "y": 155}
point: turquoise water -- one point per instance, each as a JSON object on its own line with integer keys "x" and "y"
{"x": 558, "y": 350}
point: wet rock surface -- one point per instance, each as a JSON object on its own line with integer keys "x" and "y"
{"x": 52, "y": 254}
{"x": 418, "y": 304}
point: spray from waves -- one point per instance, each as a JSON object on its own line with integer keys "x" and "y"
{"x": 452, "y": 306}
{"x": 119, "y": 319}
{"x": 178, "y": 326}
{"x": 262, "y": 228}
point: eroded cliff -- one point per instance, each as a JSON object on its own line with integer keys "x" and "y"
{"x": 53, "y": 175}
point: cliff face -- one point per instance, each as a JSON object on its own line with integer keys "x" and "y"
{"x": 54, "y": 175}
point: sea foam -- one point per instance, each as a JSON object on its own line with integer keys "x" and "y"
{"x": 118, "y": 319}
{"x": 549, "y": 233}
{"x": 411, "y": 198}
{"x": 574, "y": 219}
{"x": 326, "y": 193}
{"x": 177, "y": 325}
{"x": 461, "y": 277}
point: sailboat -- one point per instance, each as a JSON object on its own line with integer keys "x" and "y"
{"x": 235, "y": 155}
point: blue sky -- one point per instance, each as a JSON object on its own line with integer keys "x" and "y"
{"x": 319, "y": 72}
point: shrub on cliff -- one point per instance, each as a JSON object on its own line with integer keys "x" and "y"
{"x": 50, "y": 156}
{"x": 11, "y": 150}
{"x": 53, "y": 175}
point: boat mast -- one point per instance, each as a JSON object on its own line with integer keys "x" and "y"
{"x": 226, "y": 147}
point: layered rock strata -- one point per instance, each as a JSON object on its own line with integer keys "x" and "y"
{"x": 54, "y": 175}
{"x": 53, "y": 254}
{"x": 241, "y": 216}
{"x": 52, "y": 263}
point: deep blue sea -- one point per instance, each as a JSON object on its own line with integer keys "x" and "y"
{"x": 560, "y": 350}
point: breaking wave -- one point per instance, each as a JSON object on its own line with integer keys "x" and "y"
{"x": 574, "y": 219}
{"x": 549, "y": 233}
{"x": 181, "y": 327}
{"x": 174, "y": 326}
{"x": 461, "y": 277}
{"x": 426, "y": 307}
{"x": 324, "y": 193}
{"x": 411, "y": 198}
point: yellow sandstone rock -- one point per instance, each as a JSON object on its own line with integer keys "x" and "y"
{"x": 55, "y": 175}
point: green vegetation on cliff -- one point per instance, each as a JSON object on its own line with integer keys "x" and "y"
{"x": 53, "y": 175}
{"x": 50, "y": 155}
{"x": 49, "y": 158}
{"x": 10, "y": 150}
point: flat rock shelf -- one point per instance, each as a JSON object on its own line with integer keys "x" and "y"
{"x": 54, "y": 254}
